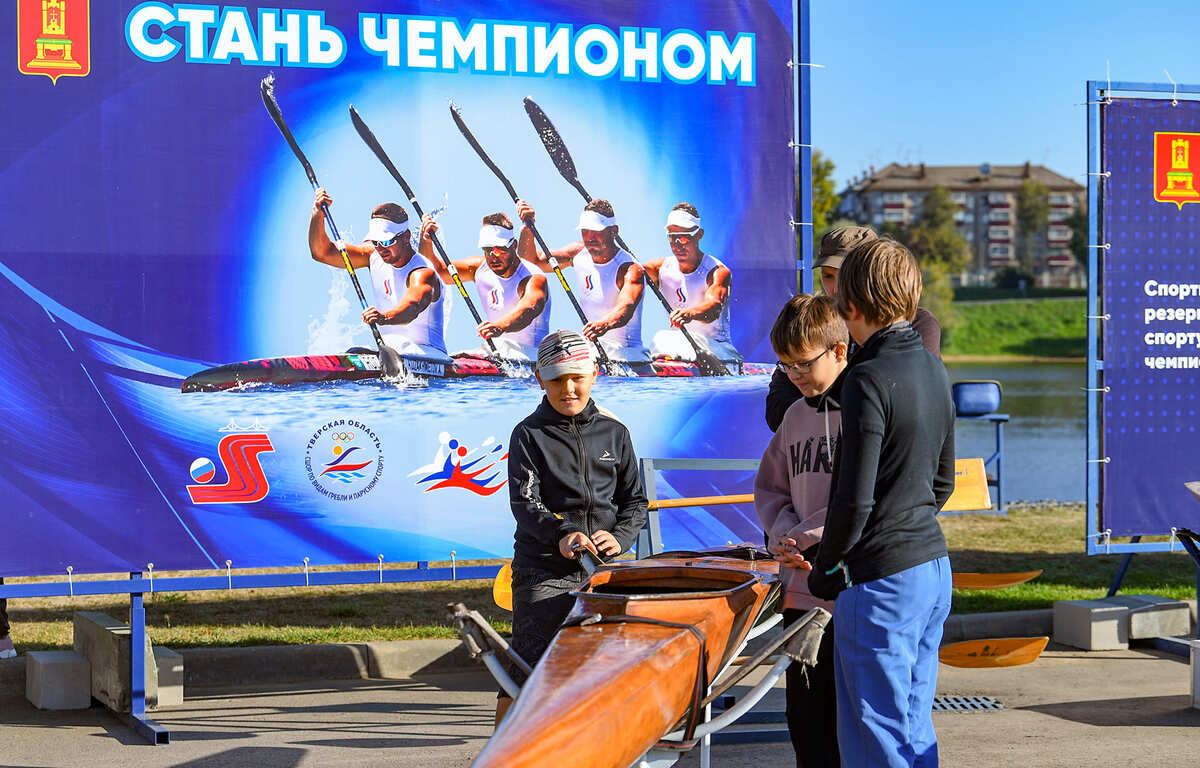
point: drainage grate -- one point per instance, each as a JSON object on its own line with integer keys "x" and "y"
{"x": 965, "y": 704}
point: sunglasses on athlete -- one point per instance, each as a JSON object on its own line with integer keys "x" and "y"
{"x": 804, "y": 367}
{"x": 386, "y": 243}
{"x": 683, "y": 238}
{"x": 496, "y": 251}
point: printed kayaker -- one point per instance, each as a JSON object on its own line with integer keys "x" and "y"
{"x": 513, "y": 293}
{"x": 697, "y": 285}
{"x": 406, "y": 290}
{"x": 608, "y": 281}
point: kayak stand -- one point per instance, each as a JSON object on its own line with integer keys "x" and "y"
{"x": 799, "y": 643}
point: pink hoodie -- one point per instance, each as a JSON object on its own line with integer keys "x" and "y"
{"x": 791, "y": 490}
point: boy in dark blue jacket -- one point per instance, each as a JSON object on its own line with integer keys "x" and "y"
{"x": 882, "y": 554}
{"x": 573, "y": 482}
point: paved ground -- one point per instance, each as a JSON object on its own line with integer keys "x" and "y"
{"x": 1070, "y": 708}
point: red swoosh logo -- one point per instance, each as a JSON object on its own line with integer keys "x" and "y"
{"x": 246, "y": 483}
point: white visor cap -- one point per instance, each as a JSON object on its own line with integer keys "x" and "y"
{"x": 595, "y": 222}
{"x": 382, "y": 230}
{"x": 494, "y": 236}
{"x": 683, "y": 219}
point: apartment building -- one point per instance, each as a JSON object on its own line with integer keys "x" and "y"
{"x": 987, "y": 216}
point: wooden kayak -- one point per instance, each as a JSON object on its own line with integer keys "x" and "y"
{"x": 993, "y": 652}
{"x": 607, "y": 690}
{"x": 992, "y": 580}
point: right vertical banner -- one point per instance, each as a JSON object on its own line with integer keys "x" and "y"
{"x": 1151, "y": 303}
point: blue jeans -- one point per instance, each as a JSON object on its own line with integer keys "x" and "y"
{"x": 886, "y": 660}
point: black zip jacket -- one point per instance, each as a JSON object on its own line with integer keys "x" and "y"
{"x": 568, "y": 474}
{"x": 894, "y": 466}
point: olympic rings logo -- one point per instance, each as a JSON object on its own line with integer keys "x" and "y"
{"x": 343, "y": 437}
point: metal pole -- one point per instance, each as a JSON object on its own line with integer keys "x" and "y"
{"x": 147, "y": 728}
{"x": 1092, "y": 97}
{"x": 804, "y": 232}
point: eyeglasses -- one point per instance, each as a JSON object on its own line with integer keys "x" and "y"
{"x": 386, "y": 243}
{"x": 496, "y": 251}
{"x": 804, "y": 367}
{"x": 683, "y": 238}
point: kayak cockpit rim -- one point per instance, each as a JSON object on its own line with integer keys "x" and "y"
{"x": 666, "y": 582}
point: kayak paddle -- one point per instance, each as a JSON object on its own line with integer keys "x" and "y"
{"x": 706, "y": 361}
{"x": 390, "y": 361}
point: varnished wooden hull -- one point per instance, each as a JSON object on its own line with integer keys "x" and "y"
{"x": 603, "y": 694}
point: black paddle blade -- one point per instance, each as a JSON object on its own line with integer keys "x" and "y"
{"x": 470, "y": 137}
{"x": 267, "y": 89}
{"x": 368, "y": 137}
{"x": 390, "y": 362}
{"x": 709, "y": 365}
{"x": 552, "y": 140}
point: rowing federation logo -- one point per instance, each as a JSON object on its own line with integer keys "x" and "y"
{"x": 54, "y": 38}
{"x": 344, "y": 459}
{"x": 455, "y": 465}
{"x": 245, "y": 481}
{"x": 679, "y": 294}
{"x": 1175, "y": 168}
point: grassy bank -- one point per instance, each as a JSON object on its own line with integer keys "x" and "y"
{"x": 1050, "y": 328}
{"x": 1027, "y": 539}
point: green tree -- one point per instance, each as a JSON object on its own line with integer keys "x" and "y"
{"x": 1033, "y": 214}
{"x": 940, "y": 251}
{"x": 1077, "y": 220}
{"x": 825, "y": 199}
{"x": 934, "y": 236}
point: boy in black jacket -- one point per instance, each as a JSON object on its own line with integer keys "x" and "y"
{"x": 882, "y": 554}
{"x": 573, "y": 483}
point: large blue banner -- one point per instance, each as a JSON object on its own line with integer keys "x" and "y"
{"x": 1151, "y": 301}
{"x": 156, "y": 225}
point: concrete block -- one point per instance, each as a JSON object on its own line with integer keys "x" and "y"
{"x": 1093, "y": 625}
{"x": 1195, "y": 673}
{"x": 58, "y": 680}
{"x": 1154, "y": 616}
{"x": 170, "y": 676}
{"x": 979, "y": 626}
{"x": 274, "y": 664}
{"x": 391, "y": 660}
{"x": 105, "y": 643}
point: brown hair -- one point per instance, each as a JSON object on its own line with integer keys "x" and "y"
{"x": 600, "y": 206}
{"x": 808, "y": 321}
{"x": 685, "y": 206}
{"x": 391, "y": 212}
{"x": 881, "y": 278}
{"x": 499, "y": 220}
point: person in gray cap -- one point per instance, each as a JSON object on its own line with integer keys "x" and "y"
{"x": 573, "y": 484}
{"x": 835, "y": 244}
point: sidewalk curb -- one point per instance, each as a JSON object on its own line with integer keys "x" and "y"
{"x": 400, "y": 659}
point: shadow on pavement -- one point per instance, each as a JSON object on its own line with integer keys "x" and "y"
{"x": 1160, "y": 711}
{"x": 262, "y": 757}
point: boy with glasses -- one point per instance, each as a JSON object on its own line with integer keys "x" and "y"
{"x": 791, "y": 492}
{"x": 406, "y": 290}
{"x": 697, "y": 287}
{"x": 834, "y": 246}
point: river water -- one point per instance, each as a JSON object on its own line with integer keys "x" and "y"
{"x": 1045, "y": 440}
